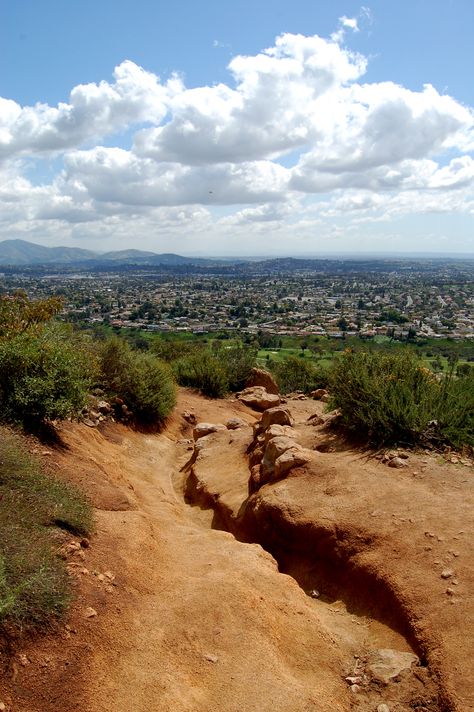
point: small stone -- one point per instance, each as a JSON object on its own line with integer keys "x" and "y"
{"x": 101, "y": 577}
{"x": 211, "y": 658}
{"x": 383, "y": 708}
{"x": 90, "y": 612}
{"x": 450, "y": 592}
{"x": 314, "y": 593}
{"x": 397, "y": 462}
{"x": 355, "y": 689}
{"x": 353, "y": 679}
{"x": 109, "y": 575}
{"x": 23, "y": 659}
{"x": 447, "y": 573}
{"x": 3, "y": 707}
{"x": 85, "y": 543}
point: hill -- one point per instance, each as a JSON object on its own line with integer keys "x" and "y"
{"x": 23, "y": 253}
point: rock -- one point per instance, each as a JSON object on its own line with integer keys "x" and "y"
{"x": 383, "y": 708}
{"x": 319, "y": 393}
{"x": 104, "y": 407}
{"x": 90, "y": 423}
{"x": 190, "y": 417}
{"x": 274, "y": 430}
{"x": 85, "y": 543}
{"x": 235, "y": 424}
{"x": 316, "y": 419}
{"x": 3, "y": 707}
{"x": 281, "y": 455}
{"x": 211, "y": 658}
{"x": 326, "y": 398}
{"x": 294, "y": 457}
{"x": 90, "y": 612}
{"x": 203, "y": 429}
{"x": 397, "y": 462}
{"x": 258, "y": 398}
{"x": 447, "y": 573}
{"x": 260, "y": 377}
{"x": 275, "y": 416}
{"x": 256, "y": 457}
{"x": 385, "y": 664}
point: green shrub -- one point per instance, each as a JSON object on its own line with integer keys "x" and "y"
{"x": 455, "y": 410}
{"x": 43, "y": 375}
{"x": 392, "y": 398}
{"x": 204, "y": 372}
{"x": 33, "y": 581}
{"x": 169, "y": 350}
{"x": 298, "y": 374}
{"x": 144, "y": 382}
{"x": 237, "y": 362}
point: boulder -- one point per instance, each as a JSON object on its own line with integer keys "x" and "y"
{"x": 258, "y": 398}
{"x": 319, "y": 393}
{"x": 293, "y": 457}
{"x": 385, "y": 664}
{"x": 235, "y": 424}
{"x": 260, "y": 377}
{"x": 274, "y": 430}
{"x": 275, "y": 448}
{"x": 203, "y": 429}
{"x": 275, "y": 416}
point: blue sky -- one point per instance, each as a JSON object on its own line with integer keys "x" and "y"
{"x": 327, "y": 142}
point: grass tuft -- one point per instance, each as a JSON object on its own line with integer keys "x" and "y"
{"x": 33, "y": 580}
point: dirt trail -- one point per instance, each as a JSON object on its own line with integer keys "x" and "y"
{"x": 195, "y": 620}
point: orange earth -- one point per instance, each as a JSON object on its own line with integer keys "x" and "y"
{"x": 346, "y": 586}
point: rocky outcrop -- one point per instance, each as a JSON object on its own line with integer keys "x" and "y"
{"x": 260, "y": 377}
{"x": 258, "y": 398}
{"x": 274, "y": 450}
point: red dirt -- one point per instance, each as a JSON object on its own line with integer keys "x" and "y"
{"x": 196, "y": 621}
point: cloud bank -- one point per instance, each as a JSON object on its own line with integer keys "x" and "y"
{"x": 293, "y": 143}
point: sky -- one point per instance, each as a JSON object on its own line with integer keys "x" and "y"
{"x": 243, "y": 127}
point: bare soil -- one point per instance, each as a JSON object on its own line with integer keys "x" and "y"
{"x": 203, "y": 599}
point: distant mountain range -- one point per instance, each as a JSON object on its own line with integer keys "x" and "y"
{"x": 18, "y": 253}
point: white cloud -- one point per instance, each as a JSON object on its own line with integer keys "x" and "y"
{"x": 114, "y": 175}
{"x": 272, "y": 110}
{"x": 93, "y": 111}
{"x": 365, "y": 151}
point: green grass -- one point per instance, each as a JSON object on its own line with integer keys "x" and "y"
{"x": 33, "y": 581}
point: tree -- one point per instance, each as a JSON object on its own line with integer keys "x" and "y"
{"x": 19, "y": 314}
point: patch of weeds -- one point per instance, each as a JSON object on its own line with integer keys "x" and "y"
{"x": 33, "y": 580}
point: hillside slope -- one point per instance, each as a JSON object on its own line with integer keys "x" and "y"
{"x": 186, "y": 618}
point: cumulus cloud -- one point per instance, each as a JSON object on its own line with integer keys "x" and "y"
{"x": 114, "y": 175}
{"x": 272, "y": 110}
{"x": 295, "y": 120}
{"x": 93, "y": 111}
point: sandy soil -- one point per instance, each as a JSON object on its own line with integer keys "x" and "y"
{"x": 190, "y": 619}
